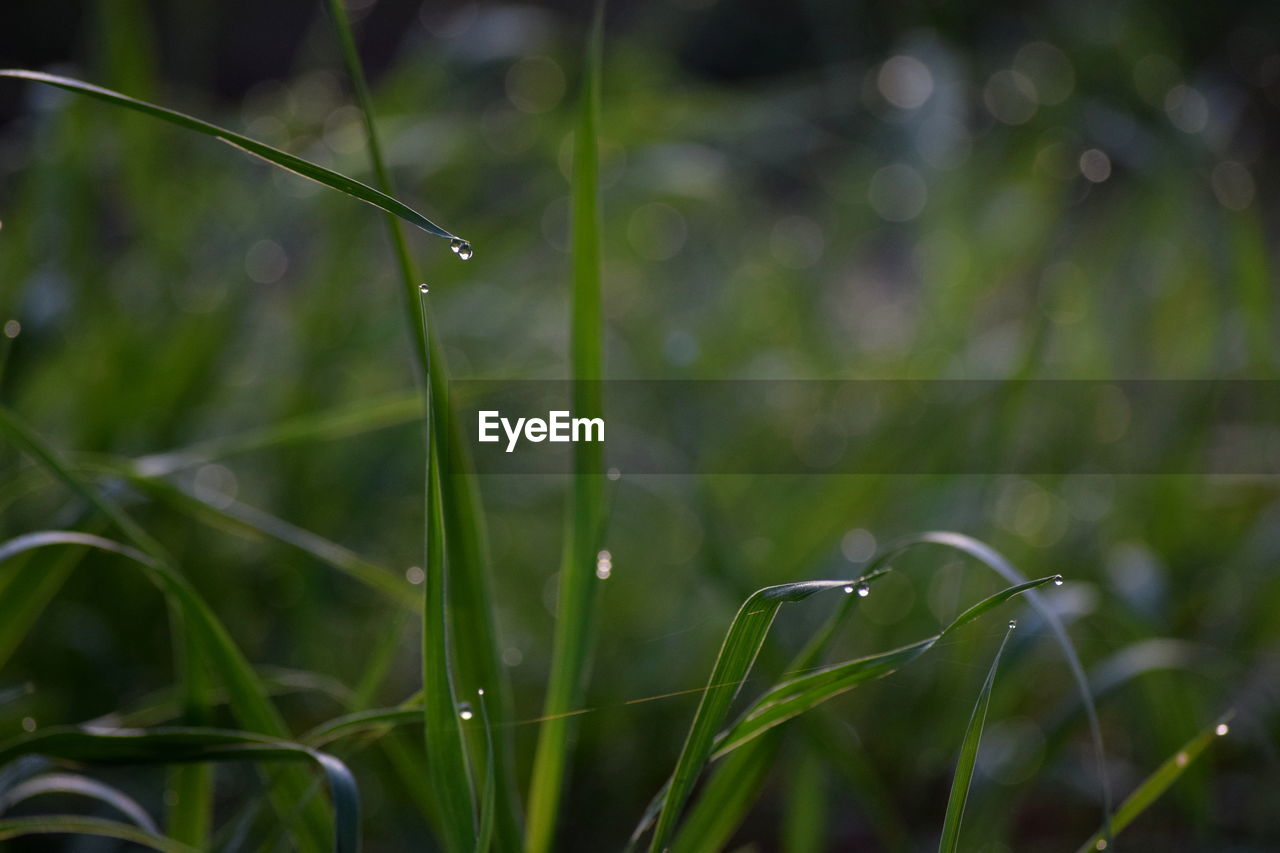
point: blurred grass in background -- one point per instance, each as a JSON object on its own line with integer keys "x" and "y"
{"x": 825, "y": 192}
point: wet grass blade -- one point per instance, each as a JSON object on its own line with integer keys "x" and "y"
{"x": 993, "y": 560}
{"x": 968, "y": 759}
{"x": 25, "y": 827}
{"x": 447, "y": 765}
{"x": 792, "y": 698}
{"x": 185, "y": 745}
{"x": 274, "y": 156}
{"x": 737, "y": 780}
{"x": 81, "y": 786}
{"x": 733, "y": 664}
{"x": 1155, "y": 785}
{"x": 469, "y": 588}
{"x": 578, "y": 588}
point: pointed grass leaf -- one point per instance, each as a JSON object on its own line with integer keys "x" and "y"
{"x": 25, "y": 827}
{"x": 968, "y": 759}
{"x": 274, "y": 156}
{"x": 578, "y": 596}
{"x": 1155, "y": 785}
{"x": 186, "y": 745}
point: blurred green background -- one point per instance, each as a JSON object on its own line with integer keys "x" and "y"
{"x": 810, "y": 190}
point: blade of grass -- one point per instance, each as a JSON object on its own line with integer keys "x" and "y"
{"x": 470, "y": 597}
{"x": 82, "y": 786}
{"x": 804, "y": 821}
{"x": 1154, "y": 786}
{"x": 960, "y": 782}
{"x": 275, "y": 156}
{"x": 578, "y": 588}
{"x": 993, "y": 560}
{"x": 737, "y": 780}
{"x": 447, "y": 765}
{"x": 183, "y": 745}
{"x": 737, "y": 655}
{"x": 319, "y": 426}
{"x": 22, "y": 827}
{"x": 792, "y": 698}
{"x": 248, "y": 697}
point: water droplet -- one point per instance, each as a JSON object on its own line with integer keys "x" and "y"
{"x": 28, "y": 724}
{"x": 1101, "y": 845}
{"x": 480, "y": 691}
{"x": 1013, "y": 623}
{"x": 465, "y": 251}
{"x": 1222, "y": 729}
{"x": 415, "y": 575}
{"x": 1181, "y": 759}
{"x": 848, "y": 590}
{"x": 863, "y": 590}
{"x": 464, "y": 711}
{"x": 1057, "y": 580}
{"x": 604, "y": 565}
{"x": 423, "y": 288}
{"x": 454, "y": 245}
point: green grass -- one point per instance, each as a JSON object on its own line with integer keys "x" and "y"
{"x": 619, "y": 689}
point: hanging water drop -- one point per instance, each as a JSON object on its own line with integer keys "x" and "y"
{"x": 464, "y": 711}
{"x": 1222, "y": 729}
{"x": 455, "y": 245}
{"x": 863, "y": 590}
{"x": 422, "y": 288}
{"x": 465, "y": 251}
{"x": 1013, "y": 623}
{"x": 848, "y": 590}
{"x": 604, "y": 565}
{"x": 1057, "y": 580}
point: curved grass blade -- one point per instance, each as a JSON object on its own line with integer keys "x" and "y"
{"x": 733, "y": 663}
{"x": 794, "y": 697}
{"x": 274, "y": 156}
{"x": 22, "y": 827}
{"x": 737, "y": 780}
{"x": 489, "y": 796}
{"x": 963, "y": 778}
{"x": 1154, "y": 786}
{"x": 185, "y": 745}
{"x": 578, "y": 588}
{"x": 73, "y": 783}
{"x": 248, "y": 697}
{"x": 993, "y": 560}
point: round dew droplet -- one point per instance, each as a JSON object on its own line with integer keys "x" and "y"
{"x": 464, "y": 711}
{"x": 863, "y": 590}
{"x": 422, "y": 288}
{"x": 1013, "y": 623}
{"x": 848, "y": 590}
{"x": 1057, "y": 580}
{"x": 1222, "y": 729}
{"x": 454, "y": 245}
{"x": 465, "y": 251}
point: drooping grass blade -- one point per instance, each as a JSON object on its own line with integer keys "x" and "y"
{"x": 246, "y": 694}
{"x": 275, "y": 156}
{"x": 733, "y": 663}
{"x": 578, "y": 587}
{"x": 792, "y": 698}
{"x": 23, "y": 827}
{"x": 82, "y": 786}
{"x": 186, "y": 745}
{"x": 950, "y": 841}
{"x": 1154, "y": 786}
